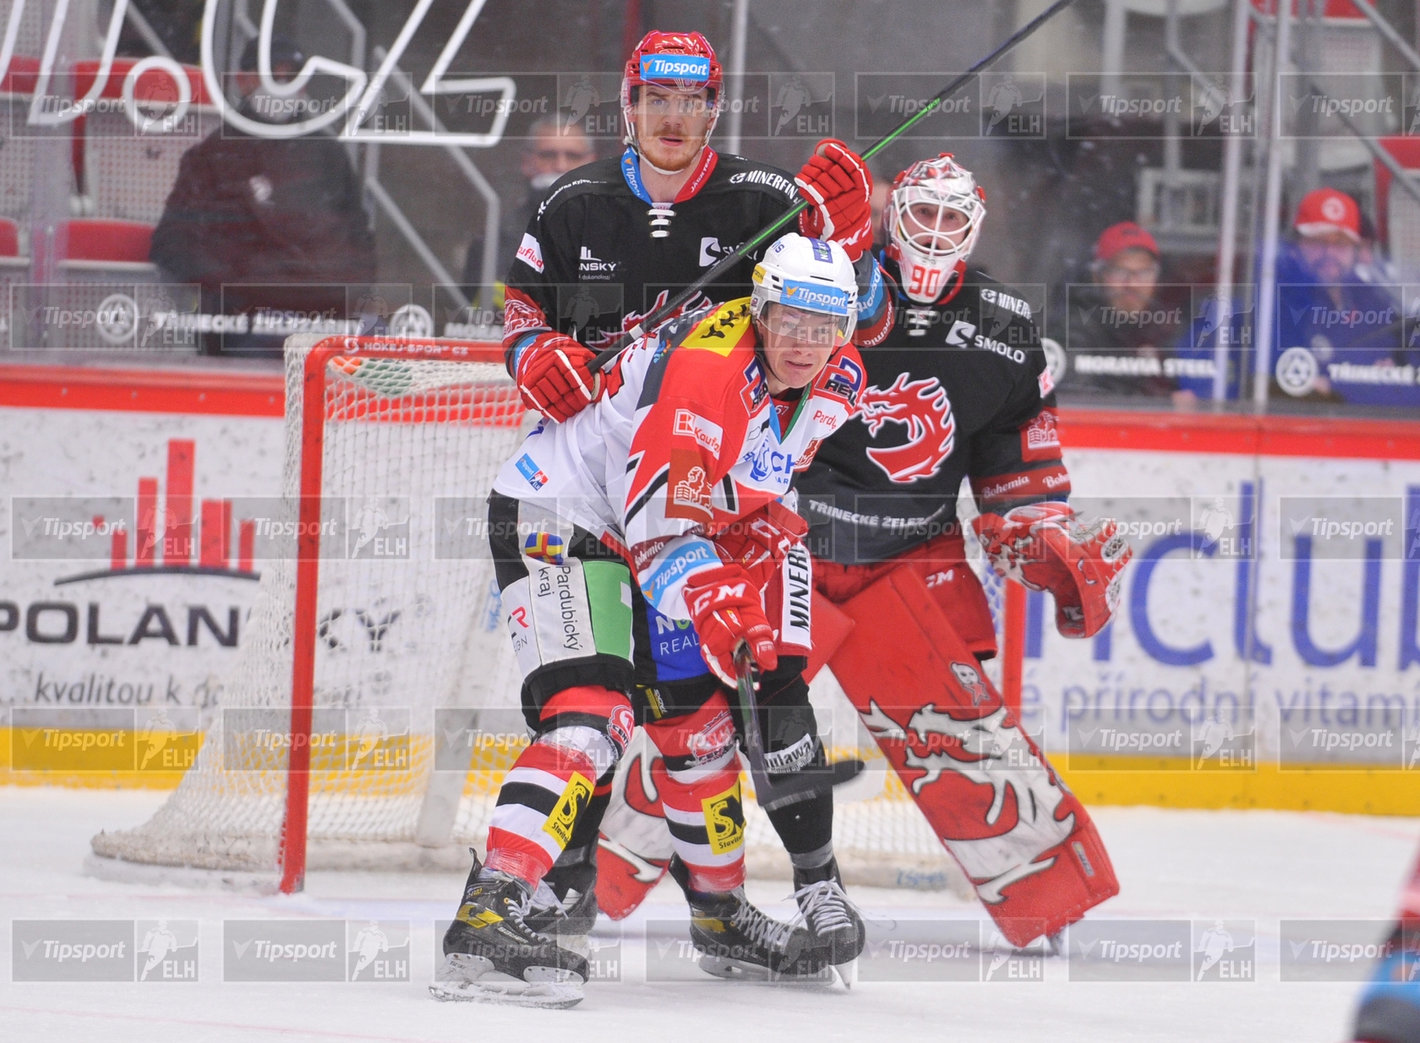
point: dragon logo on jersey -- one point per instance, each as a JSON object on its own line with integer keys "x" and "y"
{"x": 923, "y": 408}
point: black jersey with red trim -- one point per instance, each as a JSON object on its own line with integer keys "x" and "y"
{"x": 956, "y": 390}
{"x": 589, "y": 265}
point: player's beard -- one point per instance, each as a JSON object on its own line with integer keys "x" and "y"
{"x": 667, "y": 158}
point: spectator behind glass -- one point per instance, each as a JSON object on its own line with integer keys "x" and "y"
{"x": 1340, "y": 336}
{"x": 272, "y": 229}
{"x": 552, "y": 149}
{"x": 1116, "y": 329}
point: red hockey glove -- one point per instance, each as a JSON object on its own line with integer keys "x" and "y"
{"x": 837, "y": 183}
{"x": 1046, "y": 546}
{"x": 725, "y": 608}
{"x": 757, "y": 541}
{"x": 553, "y": 376}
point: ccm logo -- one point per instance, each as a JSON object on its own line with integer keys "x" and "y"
{"x": 724, "y": 592}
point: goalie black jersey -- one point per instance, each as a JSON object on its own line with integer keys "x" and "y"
{"x": 598, "y": 256}
{"x": 956, "y": 390}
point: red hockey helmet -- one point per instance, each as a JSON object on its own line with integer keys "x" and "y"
{"x": 681, "y": 62}
{"x": 930, "y": 247}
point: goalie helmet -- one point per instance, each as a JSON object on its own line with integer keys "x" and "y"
{"x": 810, "y": 275}
{"x": 681, "y": 62}
{"x": 930, "y": 260}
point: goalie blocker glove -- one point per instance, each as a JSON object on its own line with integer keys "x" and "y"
{"x": 1046, "y": 546}
{"x": 553, "y": 376}
{"x": 726, "y": 609}
{"x": 836, "y": 181}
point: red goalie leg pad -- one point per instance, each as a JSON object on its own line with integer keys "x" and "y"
{"x": 635, "y": 846}
{"x": 1026, "y": 843}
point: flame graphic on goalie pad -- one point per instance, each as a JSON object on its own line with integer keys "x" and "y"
{"x": 1026, "y": 843}
{"x": 988, "y": 751}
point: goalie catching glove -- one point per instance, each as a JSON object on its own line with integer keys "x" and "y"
{"x": 836, "y": 181}
{"x": 1046, "y": 546}
{"x": 553, "y": 376}
{"x": 725, "y": 608}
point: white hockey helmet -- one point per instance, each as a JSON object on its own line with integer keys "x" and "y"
{"x": 929, "y": 260}
{"x": 684, "y": 63}
{"x": 810, "y": 275}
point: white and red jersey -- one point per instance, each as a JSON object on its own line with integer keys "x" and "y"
{"x": 690, "y": 441}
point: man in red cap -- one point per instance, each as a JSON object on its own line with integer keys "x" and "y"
{"x": 1116, "y": 330}
{"x": 1340, "y": 336}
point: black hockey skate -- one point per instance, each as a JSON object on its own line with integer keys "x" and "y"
{"x": 492, "y": 955}
{"x": 566, "y": 904}
{"x": 738, "y": 941}
{"x": 834, "y": 924}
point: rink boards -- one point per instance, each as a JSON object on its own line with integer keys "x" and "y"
{"x": 1264, "y": 654}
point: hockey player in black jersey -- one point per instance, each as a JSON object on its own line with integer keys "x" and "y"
{"x": 958, "y": 390}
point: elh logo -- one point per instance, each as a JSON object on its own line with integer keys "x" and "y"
{"x": 377, "y": 950}
{"x": 379, "y": 529}
{"x": 167, "y": 950}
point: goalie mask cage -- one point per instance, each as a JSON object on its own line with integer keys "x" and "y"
{"x": 374, "y": 706}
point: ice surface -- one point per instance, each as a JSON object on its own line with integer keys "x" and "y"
{"x": 1180, "y": 870}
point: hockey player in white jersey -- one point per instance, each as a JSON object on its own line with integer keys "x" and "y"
{"x": 653, "y": 485}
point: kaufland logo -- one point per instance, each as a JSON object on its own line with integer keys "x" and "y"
{"x": 688, "y": 68}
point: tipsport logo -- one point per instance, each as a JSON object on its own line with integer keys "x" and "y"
{"x": 105, "y": 950}
{"x": 359, "y": 951}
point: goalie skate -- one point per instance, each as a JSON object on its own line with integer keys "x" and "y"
{"x": 492, "y": 955}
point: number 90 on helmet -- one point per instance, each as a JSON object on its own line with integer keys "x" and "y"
{"x": 932, "y": 220}
{"x": 808, "y": 275}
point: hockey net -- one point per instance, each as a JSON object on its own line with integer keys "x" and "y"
{"x": 374, "y": 709}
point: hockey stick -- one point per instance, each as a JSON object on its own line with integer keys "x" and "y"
{"x": 768, "y": 793}
{"x": 734, "y": 257}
